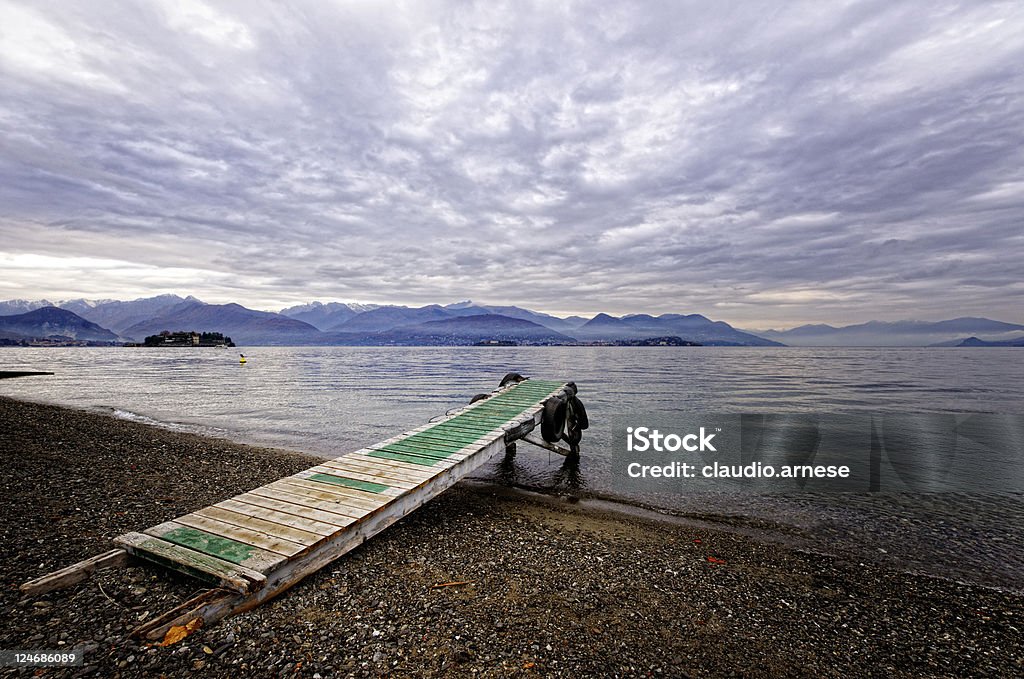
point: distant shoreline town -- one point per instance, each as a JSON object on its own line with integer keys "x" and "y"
{"x": 165, "y": 320}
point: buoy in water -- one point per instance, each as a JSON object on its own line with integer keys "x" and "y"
{"x": 241, "y": 358}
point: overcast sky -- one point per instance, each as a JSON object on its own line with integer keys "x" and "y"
{"x": 767, "y": 164}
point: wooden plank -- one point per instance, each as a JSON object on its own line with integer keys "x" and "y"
{"x": 254, "y": 523}
{"x": 435, "y": 452}
{"x": 383, "y": 468}
{"x": 156, "y": 628}
{"x": 483, "y": 420}
{"x": 497, "y": 407}
{"x": 368, "y": 472}
{"x": 323, "y": 491}
{"x": 357, "y": 498}
{"x": 304, "y": 499}
{"x": 405, "y": 457}
{"x": 391, "y": 486}
{"x": 74, "y": 574}
{"x": 246, "y": 505}
{"x": 339, "y": 478}
{"x": 415, "y": 454}
{"x": 438, "y": 448}
{"x": 425, "y": 457}
{"x": 197, "y": 564}
{"x": 398, "y": 464}
{"x": 244, "y": 535}
{"x": 430, "y": 470}
{"x": 467, "y": 425}
{"x": 444, "y": 433}
{"x": 272, "y": 501}
{"x": 225, "y": 548}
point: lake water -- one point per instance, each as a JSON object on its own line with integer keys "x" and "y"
{"x": 948, "y": 504}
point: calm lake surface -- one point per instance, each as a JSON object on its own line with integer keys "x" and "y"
{"x": 945, "y": 509}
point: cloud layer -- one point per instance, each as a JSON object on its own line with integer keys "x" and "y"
{"x": 762, "y": 163}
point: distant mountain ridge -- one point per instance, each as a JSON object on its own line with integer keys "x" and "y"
{"x": 50, "y": 321}
{"x": 895, "y": 333}
{"x": 324, "y": 323}
{"x": 460, "y": 330}
{"x": 244, "y": 326}
{"x": 692, "y": 327}
{"x": 975, "y": 342}
{"x": 326, "y": 316}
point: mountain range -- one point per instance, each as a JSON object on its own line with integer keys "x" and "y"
{"x": 895, "y": 334}
{"x": 465, "y": 322}
{"x": 51, "y": 322}
{"x": 338, "y": 323}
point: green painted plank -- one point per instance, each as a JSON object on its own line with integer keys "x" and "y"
{"x": 495, "y": 405}
{"x": 462, "y": 429}
{"x": 223, "y": 548}
{"x": 349, "y": 483}
{"x": 403, "y": 457}
{"x": 483, "y": 420}
{"x": 436, "y": 452}
{"x": 465, "y": 422}
{"x": 440, "y": 442}
{"x": 453, "y": 435}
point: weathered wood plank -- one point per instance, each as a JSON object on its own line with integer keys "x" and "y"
{"x": 354, "y": 497}
{"x": 392, "y": 487}
{"x": 260, "y": 511}
{"x": 254, "y": 523}
{"x": 226, "y": 548}
{"x": 377, "y": 473}
{"x": 322, "y": 491}
{"x": 197, "y": 564}
{"x": 337, "y": 477}
{"x": 432, "y": 452}
{"x": 244, "y": 535}
{"x": 74, "y": 574}
{"x": 413, "y": 469}
{"x": 304, "y": 511}
{"x": 304, "y": 499}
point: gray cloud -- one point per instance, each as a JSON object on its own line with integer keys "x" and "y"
{"x": 769, "y": 164}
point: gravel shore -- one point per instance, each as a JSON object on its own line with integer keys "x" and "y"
{"x": 553, "y": 588}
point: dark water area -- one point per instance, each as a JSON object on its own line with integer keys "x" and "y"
{"x": 934, "y": 438}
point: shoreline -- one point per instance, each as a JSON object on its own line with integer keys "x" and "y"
{"x": 556, "y": 587}
{"x": 787, "y": 534}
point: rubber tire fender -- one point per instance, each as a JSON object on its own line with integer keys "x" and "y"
{"x": 578, "y": 413}
{"x": 552, "y": 421}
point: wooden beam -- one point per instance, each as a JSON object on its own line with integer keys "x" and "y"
{"x": 196, "y": 564}
{"x": 565, "y": 452}
{"x": 65, "y": 577}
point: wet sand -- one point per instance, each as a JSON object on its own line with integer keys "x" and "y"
{"x": 554, "y": 588}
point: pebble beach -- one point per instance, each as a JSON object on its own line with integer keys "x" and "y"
{"x": 545, "y": 586}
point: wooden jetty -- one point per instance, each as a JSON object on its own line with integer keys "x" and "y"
{"x": 254, "y": 546}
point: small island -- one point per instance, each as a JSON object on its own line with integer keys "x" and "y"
{"x": 188, "y": 339}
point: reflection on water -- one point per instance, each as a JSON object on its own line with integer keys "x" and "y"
{"x": 330, "y": 400}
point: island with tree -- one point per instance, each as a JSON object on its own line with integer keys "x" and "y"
{"x": 188, "y": 339}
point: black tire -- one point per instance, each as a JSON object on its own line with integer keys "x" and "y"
{"x": 578, "y": 413}
{"x": 573, "y": 435}
{"x": 478, "y": 397}
{"x": 552, "y": 423}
